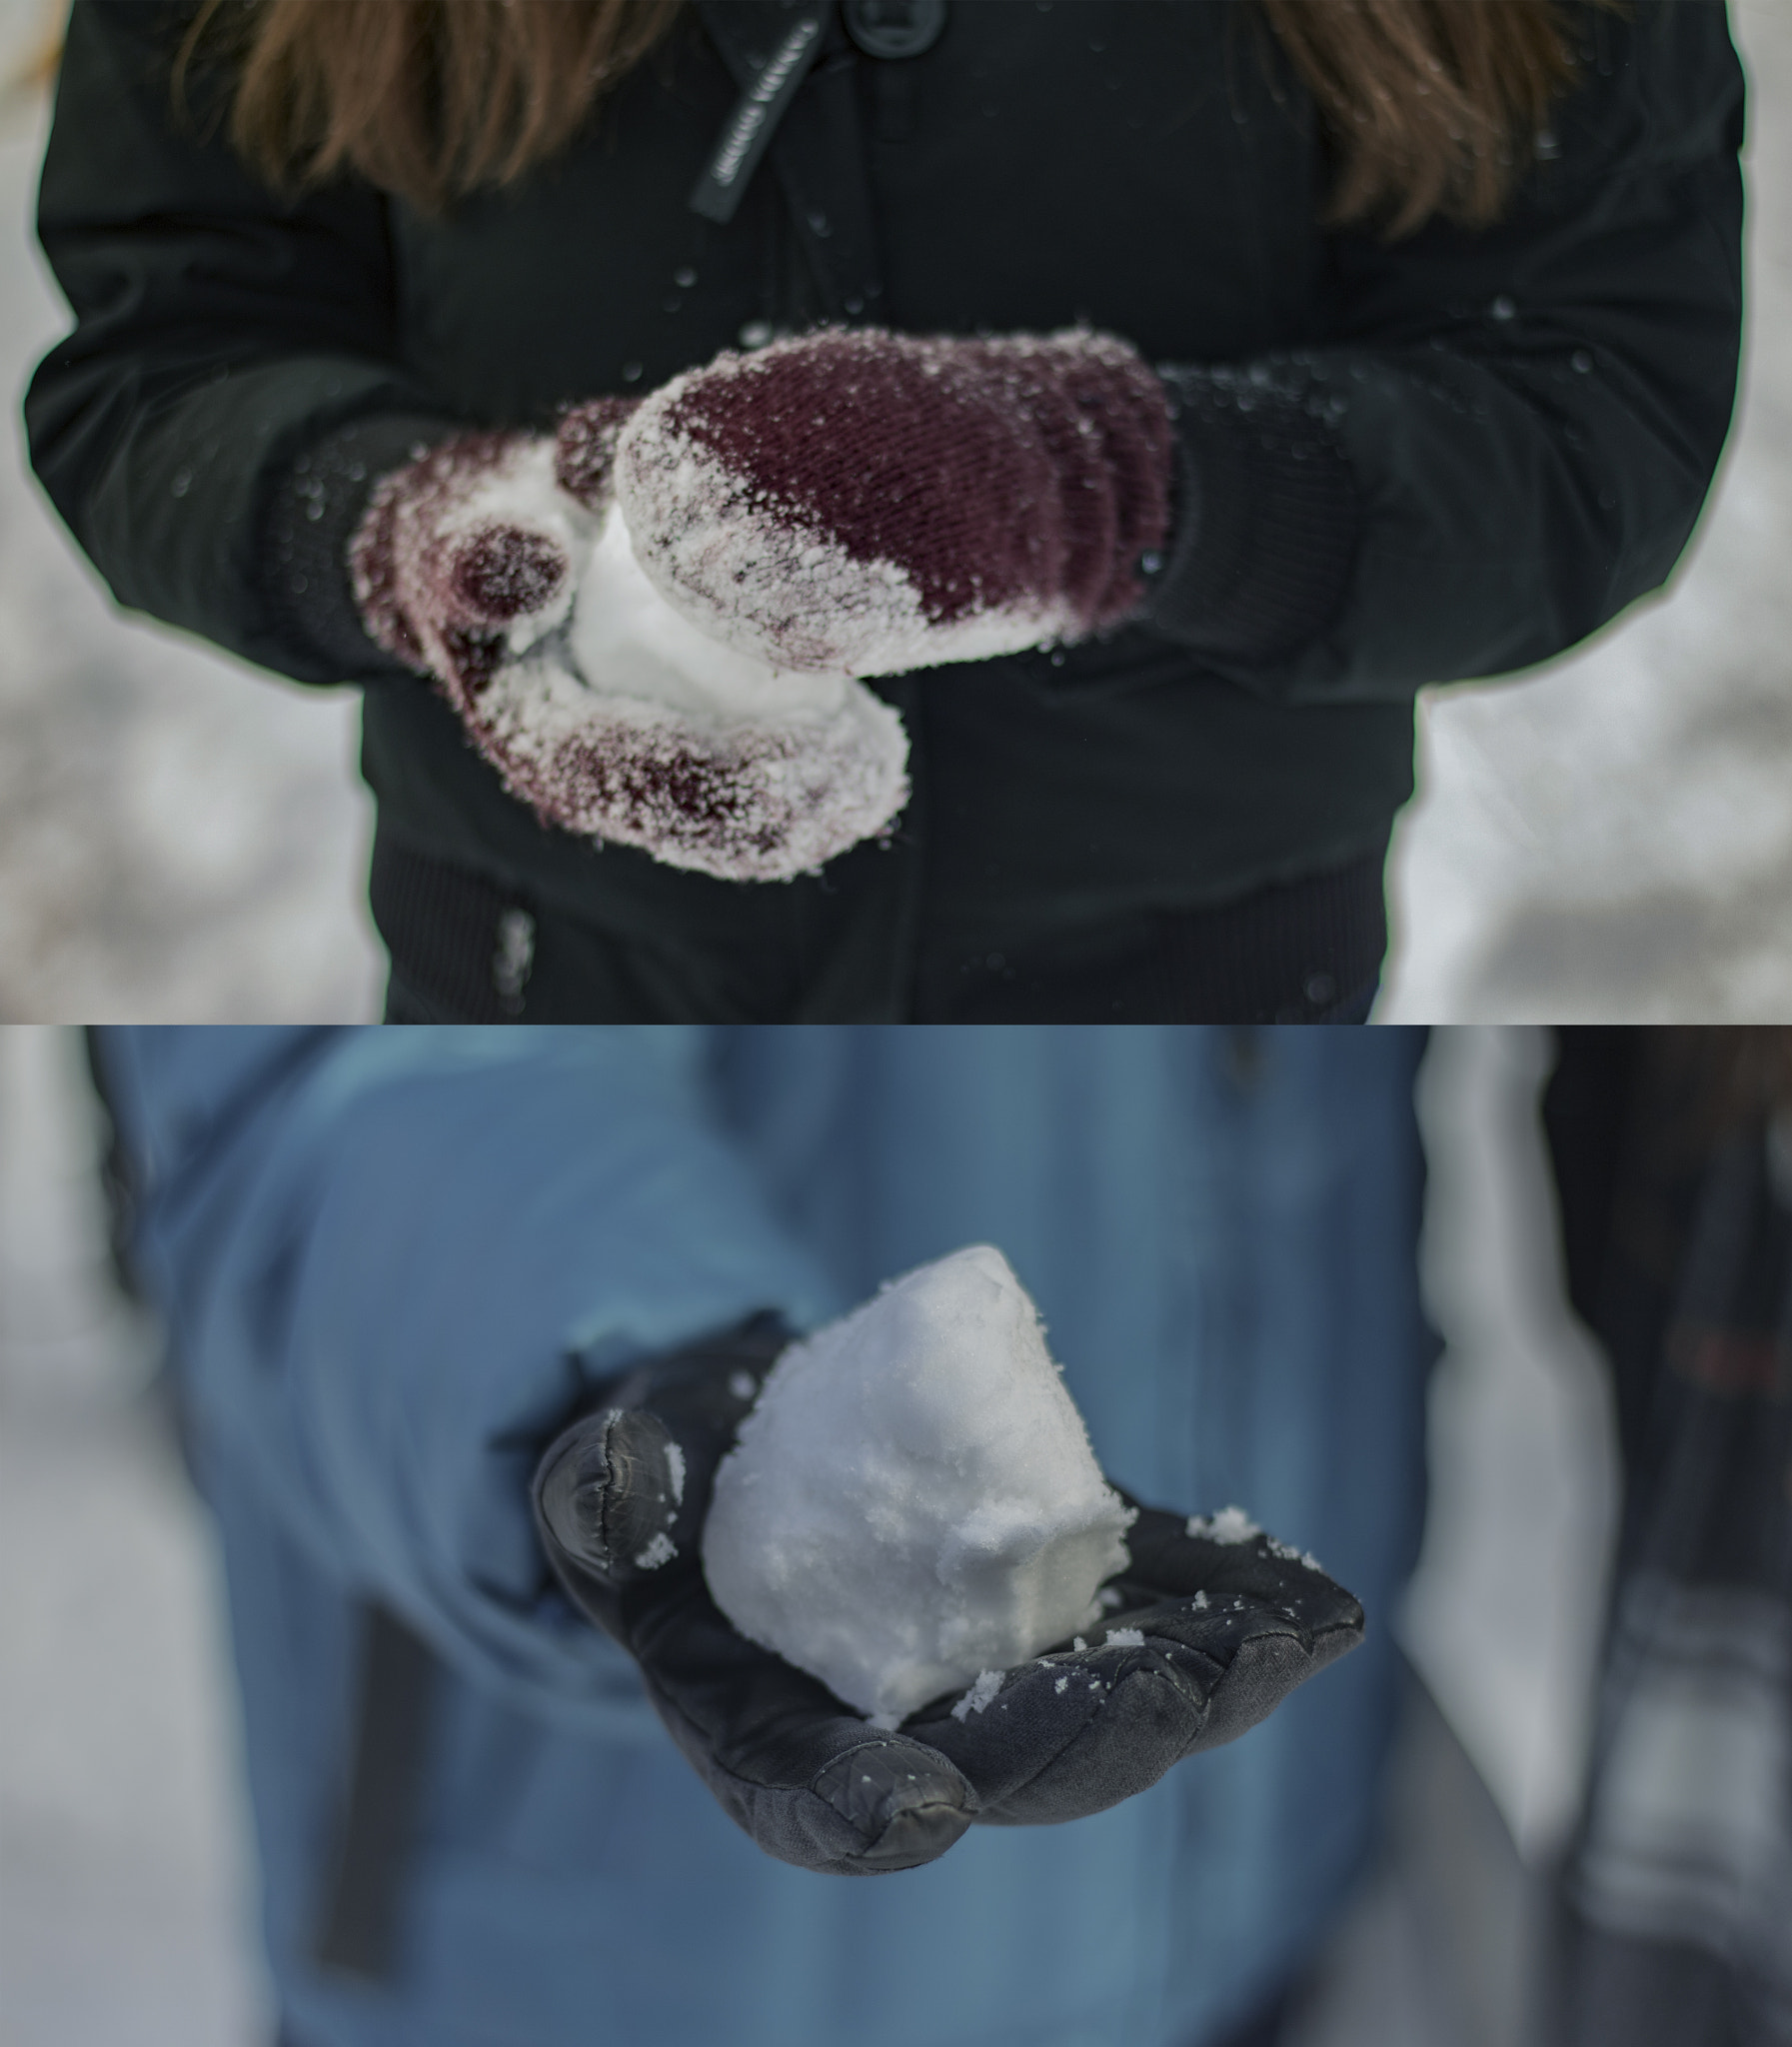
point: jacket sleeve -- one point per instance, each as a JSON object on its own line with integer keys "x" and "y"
{"x": 1499, "y": 439}
{"x": 389, "y": 1260}
{"x": 218, "y": 334}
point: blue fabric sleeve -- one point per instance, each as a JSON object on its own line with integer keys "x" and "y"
{"x": 390, "y": 1258}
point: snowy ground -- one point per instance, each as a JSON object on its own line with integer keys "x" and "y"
{"x": 1612, "y": 838}
{"x": 125, "y": 1905}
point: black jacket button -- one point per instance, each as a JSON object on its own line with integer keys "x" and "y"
{"x": 895, "y": 28}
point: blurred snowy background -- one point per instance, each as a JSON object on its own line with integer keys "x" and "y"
{"x": 126, "y": 1904}
{"x": 1610, "y": 839}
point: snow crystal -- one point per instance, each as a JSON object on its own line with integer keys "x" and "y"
{"x": 1200, "y": 1602}
{"x": 1231, "y": 1524}
{"x": 624, "y": 722}
{"x": 1290, "y": 1554}
{"x": 1079, "y": 1644}
{"x": 1125, "y": 1638}
{"x": 662, "y": 1550}
{"x": 914, "y": 1501}
{"x": 1063, "y": 1684}
{"x": 989, "y": 1683}
{"x": 675, "y": 1460}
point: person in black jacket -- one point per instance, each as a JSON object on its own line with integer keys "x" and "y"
{"x": 1417, "y": 424}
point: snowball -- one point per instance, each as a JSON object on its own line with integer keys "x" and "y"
{"x": 913, "y": 1506}
{"x": 616, "y": 719}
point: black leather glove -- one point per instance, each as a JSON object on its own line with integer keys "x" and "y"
{"x": 1225, "y": 1630}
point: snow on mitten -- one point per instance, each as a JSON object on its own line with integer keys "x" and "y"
{"x": 620, "y": 1500}
{"x": 464, "y": 553}
{"x": 874, "y": 502}
{"x": 497, "y": 562}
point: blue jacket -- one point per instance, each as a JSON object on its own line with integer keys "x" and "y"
{"x": 385, "y": 1258}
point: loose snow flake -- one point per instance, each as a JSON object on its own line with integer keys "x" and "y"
{"x": 989, "y": 1683}
{"x": 1063, "y": 1684}
{"x": 662, "y": 1550}
{"x": 1125, "y": 1638}
{"x": 1231, "y": 1524}
{"x": 1289, "y": 1554}
{"x": 675, "y": 1460}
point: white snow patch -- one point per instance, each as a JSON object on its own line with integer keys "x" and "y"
{"x": 1125, "y": 1638}
{"x": 1063, "y": 1684}
{"x": 675, "y": 1460}
{"x": 662, "y": 1550}
{"x": 1231, "y": 1524}
{"x": 989, "y": 1683}
{"x": 914, "y": 1501}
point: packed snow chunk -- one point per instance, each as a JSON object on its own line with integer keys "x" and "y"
{"x": 989, "y": 1683}
{"x": 1125, "y": 1638}
{"x": 912, "y": 1504}
{"x": 1231, "y": 1524}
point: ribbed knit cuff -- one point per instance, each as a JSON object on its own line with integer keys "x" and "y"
{"x": 311, "y": 518}
{"x": 1265, "y": 523}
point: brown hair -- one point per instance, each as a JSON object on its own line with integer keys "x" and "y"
{"x": 1430, "y": 106}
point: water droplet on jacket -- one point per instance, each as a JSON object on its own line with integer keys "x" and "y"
{"x": 1504, "y": 308}
{"x": 756, "y": 334}
{"x": 631, "y": 373}
{"x": 1057, "y": 657}
{"x": 1582, "y": 361}
{"x": 670, "y": 303}
{"x": 181, "y": 483}
{"x": 684, "y": 277}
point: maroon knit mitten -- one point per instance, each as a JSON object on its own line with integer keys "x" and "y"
{"x": 469, "y": 546}
{"x": 873, "y": 501}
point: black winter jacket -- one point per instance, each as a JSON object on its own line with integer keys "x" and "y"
{"x": 1405, "y": 463}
